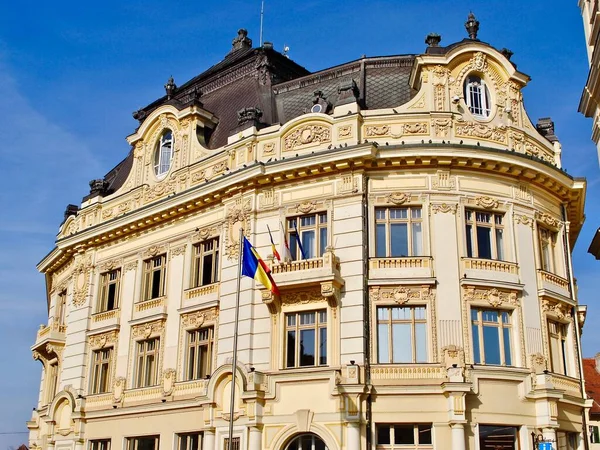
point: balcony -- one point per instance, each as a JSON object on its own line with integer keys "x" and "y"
{"x": 550, "y": 283}
{"x": 408, "y": 374}
{"x": 307, "y": 275}
{"x": 490, "y": 269}
{"x": 406, "y": 267}
{"x": 201, "y": 295}
{"x": 106, "y": 319}
{"x": 49, "y": 339}
{"x": 149, "y": 308}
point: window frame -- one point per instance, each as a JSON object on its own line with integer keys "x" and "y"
{"x": 104, "y": 290}
{"x": 472, "y": 249}
{"x": 161, "y": 168}
{"x": 415, "y": 445}
{"x": 482, "y": 111}
{"x": 133, "y": 441}
{"x": 547, "y": 245}
{"x": 60, "y": 314}
{"x": 99, "y": 365}
{"x": 297, "y": 327}
{"x": 321, "y": 232}
{"x": 51, "y": 379}
{"x": 97, "y": 444}
{"x": 209, "y": 343}
{"x": 187, "y": 436}
{"x": 148, "y": 277}
{"x": 561, "y": 335}
{"x": 412, "y": 322}
{"x": 141, "y": 377}
{"x": 410, "y": 222}
{"x": 198, "y": 254}
{"x": 501, "y": 326}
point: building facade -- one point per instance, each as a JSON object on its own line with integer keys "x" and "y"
{"x": 428, "y": 301}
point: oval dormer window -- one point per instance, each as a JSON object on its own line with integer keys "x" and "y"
{"x": 163, "y": 154}
{"x": 477, "y": 97}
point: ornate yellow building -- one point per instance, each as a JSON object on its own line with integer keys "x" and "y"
{"x": 430, "y": 304}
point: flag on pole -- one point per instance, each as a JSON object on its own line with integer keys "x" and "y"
{"x": 287, "y": 254}
{"x": 299, "y": 240}
{"x": 273, "y": 248}
{"x": 254, "y": 267}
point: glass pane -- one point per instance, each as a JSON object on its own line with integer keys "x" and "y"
{"x": 476, "y": 348}
{"x": 383, "y": 313}
{"x": 307, "y": 318}
{"x": 399, "y": 237}
{"x": 380, "y": 241}
{"x": 469, "y": 241}
{"x": 383, "y": 343}
{"x": 112, "y": 292}
{"x": 322, "y": 346}
{"x": 322, "y": 240}
{"x": 424, "y": 434}
{"x": 421, "y": 342}
{"x": 484, "y": 243}
{"x": 291, "y": 320}
{"x": 322, "y": 316}
{"x": 490, "y": 316}
{"x": 491, "y": 345}
{"x": 419, "y": 313}
{"x": 383, "y": 434}
{"x": 308, "y": 243}
{"x": 291, "y": 349}
{"x": 294, "y": 252}
{"x": 155, "y": 293}
{"x": 380, "y": 214}
{"x": 191, "y": 363}
{"x": 507, "y": 354}
{"x": 207, "y": 266}
{"x": 416, "y": 213}
{"x": 500, "y": 244}
{"x": 417, "y": 239}
{"x": 404, "y": 434}
{"x": 401, "y": 343}
{"x": 307, "y": 347}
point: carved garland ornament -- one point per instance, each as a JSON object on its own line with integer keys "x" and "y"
{"x": 101, "y": 340}
{"x": 269, "y": 149}
{"x": 561, "y": 310}
{"x": 345, "y": 132}
{"x": 443, "y": 208}
{"x": 497, "y": 133}
{"x": 486, "y": 202}
{"x": 439, "y": 79}
{"x": 524, "y": 220}
{"x": 415, "y": 128}
{"x": 306, "y": 207}
{"x": 401, "y": 294}
{"x": 237, "y": 217}
{"x": 495, "y": 297}
{"x": 146, "y": 330}
{"x": 154, "y": 250}
{"x": 548, "y": 219}
{"x": 81, "y": 280}
{"x": 305, "y": 135}
{"x": 203, "y": 234}
{"x": 177, "y": 251}
{"x": 198, "y": 318}
{"x": 132, "y": 265}
{"x": 397, "y": 198}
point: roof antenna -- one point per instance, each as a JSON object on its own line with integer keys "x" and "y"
{"x": 262, "y": 14}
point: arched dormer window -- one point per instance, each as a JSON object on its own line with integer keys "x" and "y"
{"x": 477, "y": 97}
{"x": 163, "y": 154}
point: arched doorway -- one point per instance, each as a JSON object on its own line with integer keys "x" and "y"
{"x": 307, "y": 441}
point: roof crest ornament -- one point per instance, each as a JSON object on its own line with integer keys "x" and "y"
{"x": 472, "y": 26}
{"x": 241, "y": 41}
{"x": 170, "y": 87}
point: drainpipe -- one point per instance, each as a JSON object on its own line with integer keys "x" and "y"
{"x": 567, "y": 246}
{"x": 367, "y": 312}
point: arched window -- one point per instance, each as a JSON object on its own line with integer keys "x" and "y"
{"x": 163, "y": 154}
{"x": 307, "y": 441}
{"x": 477, "y": 97}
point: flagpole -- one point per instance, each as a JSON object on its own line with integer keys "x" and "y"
{"x": 235, "y": 339}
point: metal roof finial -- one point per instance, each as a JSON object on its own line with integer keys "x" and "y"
{"x": 472, "y": 26}
{"x": 170, "y": 87}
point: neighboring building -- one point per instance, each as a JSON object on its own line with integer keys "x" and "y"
{"x": 591, "y": 373}
{"x": 434, "y": 306}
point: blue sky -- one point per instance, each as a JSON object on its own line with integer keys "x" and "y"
{"x": 71, "y": 73}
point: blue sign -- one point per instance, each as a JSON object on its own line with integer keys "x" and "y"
{"x": 545, "y": 446}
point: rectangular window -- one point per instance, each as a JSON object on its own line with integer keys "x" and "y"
{"x": 100, "y": 444}
{"x": 235, "y": 443}
{"x": 485, "y": 234}
{"x": 199, "y": 353}
{"x": 154, "y": 277}
{"x": 398, "y": 232}
{"x": 143, "y": 443}
{"x": 557, "y": 334}
{"x": 206, "y": 263}
{"x": 308, "y": 232}
{"x": 108, "y": 298}
{"x": 547, "y": 245}
{"x": 404, "y": 436}
{"x": 101, "y": 365}
{"x": 190, "y": 441}
{"x": 61, "y": 308}
{"x": 567, "y": 441}
{"x": 594, "y": 434}
{"x": 306, "y": 339}
{"x": 491, "y": 336}
{"x": 146, "y": 373}
{"x": 497, "y": 436}
{"x": 402, "y": 334}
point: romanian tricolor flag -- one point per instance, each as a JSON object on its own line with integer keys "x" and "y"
{"x": 254, "y": 267}
{"x": 273, "y": 248}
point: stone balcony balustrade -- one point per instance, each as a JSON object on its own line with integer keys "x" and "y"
{"x": 490, "y": 269}
{"x": 50, "y": 338}
{"x": 550, "y": 283}
{"x": 405, "y": 267}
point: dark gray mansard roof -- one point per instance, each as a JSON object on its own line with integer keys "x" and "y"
{"x": 264, "y": 78}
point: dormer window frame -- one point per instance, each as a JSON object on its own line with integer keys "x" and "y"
{"x": 163, "y": 155}
{"x": 477, "y": 96}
